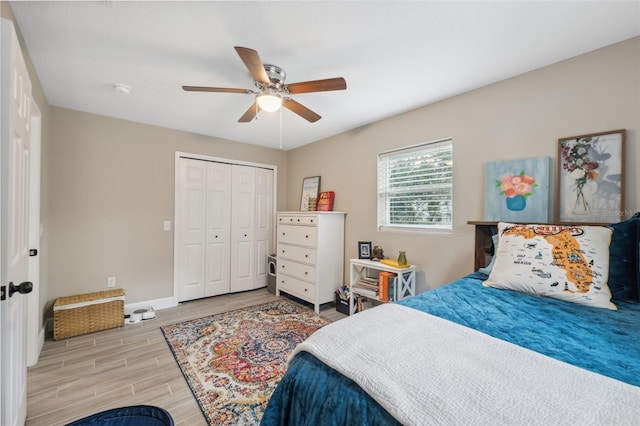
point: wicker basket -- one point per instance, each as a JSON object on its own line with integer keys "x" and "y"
{"x": 86, "y": 313}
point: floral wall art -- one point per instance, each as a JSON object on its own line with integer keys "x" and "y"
{"x": 590, "y": 177}
{"x": 517, "y": 190}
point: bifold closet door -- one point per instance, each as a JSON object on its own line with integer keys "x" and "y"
{"x": 243, "y": 206}
{"x": 264, "y": 224}
{"x": 251, "y": 226}
{"x": 204, "y": 200}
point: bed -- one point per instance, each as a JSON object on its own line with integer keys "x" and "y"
{"x": 468, "y": 353}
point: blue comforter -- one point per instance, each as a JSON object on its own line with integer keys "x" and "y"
{"x": 596, "y": 339}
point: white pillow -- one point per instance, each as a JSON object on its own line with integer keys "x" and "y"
{"x": 570, "y": 263}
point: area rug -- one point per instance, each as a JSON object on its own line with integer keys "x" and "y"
{"x": 234, "y": 360}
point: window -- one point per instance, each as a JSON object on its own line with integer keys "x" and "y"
{"x": 415, "y": 187}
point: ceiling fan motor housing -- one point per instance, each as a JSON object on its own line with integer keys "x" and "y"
{"x": 275, "y": 73}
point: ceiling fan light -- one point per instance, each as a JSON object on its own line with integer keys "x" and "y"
{"x": 268, "y": 102}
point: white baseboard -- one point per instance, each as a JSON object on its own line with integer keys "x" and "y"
{"x": 156, "y": 304}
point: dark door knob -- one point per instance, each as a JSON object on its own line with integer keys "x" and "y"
{"x": 23, "y": 288}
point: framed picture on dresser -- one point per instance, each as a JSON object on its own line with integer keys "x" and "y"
{"x": 310, "y": 189}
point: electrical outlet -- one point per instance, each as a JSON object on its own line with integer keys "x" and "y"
{"x": 111, "y": 282}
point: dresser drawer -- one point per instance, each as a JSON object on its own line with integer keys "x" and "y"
{"x": 301, "y": 235}
{"x": 299, "y": 288}
{"x": 297, "y": 270}
{"x": 300, "y": 254}
{"x": 297, "y": 220}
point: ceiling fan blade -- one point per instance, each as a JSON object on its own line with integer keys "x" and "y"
{"x": 301, "y": 110}
{"x": 253, "y": 63}
{"x": 215, "y": 89}
{"x": 250, "y": 114}
{"x": 325, "y": 85}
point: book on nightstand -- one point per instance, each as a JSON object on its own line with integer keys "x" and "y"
{"x": 393, "y": 283}
{"x": 325, "y": 201}
{"x": 385, "y": 277}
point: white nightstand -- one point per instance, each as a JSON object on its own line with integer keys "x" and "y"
{"x": 361, "y": 268}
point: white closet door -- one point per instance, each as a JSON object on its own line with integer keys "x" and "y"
{"x": 243, "y": 188}
{"x": 264, "y": 224}
{"x": 191, "y": 223}
{"x": 218, "y": 219}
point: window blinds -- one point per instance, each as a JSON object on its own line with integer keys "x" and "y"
{"x": 415, "y": 187}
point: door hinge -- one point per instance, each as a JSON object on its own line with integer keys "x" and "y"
{"x": 3, "y": 293}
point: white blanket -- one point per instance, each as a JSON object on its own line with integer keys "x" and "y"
{"x": 426, "y": 370}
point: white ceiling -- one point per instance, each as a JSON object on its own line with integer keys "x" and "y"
{"x": 394, "y": 55}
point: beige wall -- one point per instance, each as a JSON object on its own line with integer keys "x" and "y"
{"x": 112, "y": 186}
{"x": 43, "y": 105}
{"x": 517, "y": 118}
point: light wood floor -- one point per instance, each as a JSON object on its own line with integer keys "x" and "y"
{"x": 123, "y": 366}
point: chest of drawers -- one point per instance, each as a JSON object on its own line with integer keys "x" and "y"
{"x": 310, "y": 249}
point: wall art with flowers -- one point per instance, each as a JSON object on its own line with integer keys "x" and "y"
{"x": 591, "y": 177}
{"x": 517, "y": 190}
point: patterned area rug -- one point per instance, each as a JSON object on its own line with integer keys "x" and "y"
{"x": 234, "y": 360}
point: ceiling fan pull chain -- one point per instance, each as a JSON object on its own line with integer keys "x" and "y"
{"x": 280, "y": 128}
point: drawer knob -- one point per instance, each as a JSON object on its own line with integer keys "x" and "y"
{"x": 306, "y": 255}
{"x": 306, "y": 273}
{"x": 291, "y": 220}
{"x": 306, "y": 236}
{"x": 216, "y": 236}
{"x": 283, "y": 251}
{"x": 305, "y": 289}
{"x": 245, "y": 235}
{"x": 298, "y": 219}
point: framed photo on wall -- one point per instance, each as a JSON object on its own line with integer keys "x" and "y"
{"x": 364, "y": 249}
{"x": 310, "y": 189}
{"x": 591, "y": 178}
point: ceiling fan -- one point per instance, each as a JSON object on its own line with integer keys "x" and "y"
{"x": 272, "y": 91}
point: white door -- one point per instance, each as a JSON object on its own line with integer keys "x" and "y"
{"x": 264, "y": 224}
{"x": 14, "y": 209}
{"x": 218, "y": 220}
{"x": 202, "y": 222}
{"x": 190, "y": 227}
{"x": 243, "y": 189}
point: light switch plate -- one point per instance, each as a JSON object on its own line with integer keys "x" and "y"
{"x": 167, "y": 225}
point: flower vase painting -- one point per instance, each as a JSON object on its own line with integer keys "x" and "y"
{"x": 590, "y": 177}
{"x": 517, "y": 190}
